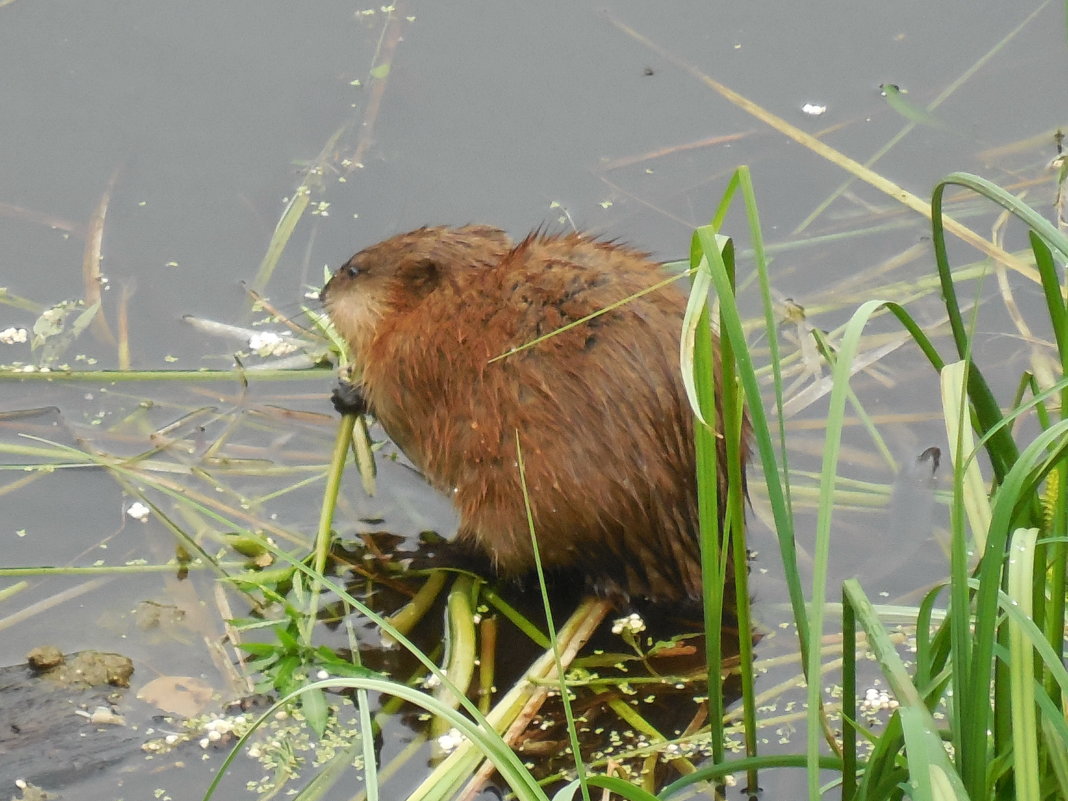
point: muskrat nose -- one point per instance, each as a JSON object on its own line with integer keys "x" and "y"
{"x": 324, "y": 290}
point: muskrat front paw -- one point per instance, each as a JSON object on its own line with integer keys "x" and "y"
{"x": 348, "y": 398}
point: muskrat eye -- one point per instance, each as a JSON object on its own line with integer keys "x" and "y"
{"x": 351, "y": 270}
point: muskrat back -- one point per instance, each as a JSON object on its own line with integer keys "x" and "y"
{"x": 603, "y": 422}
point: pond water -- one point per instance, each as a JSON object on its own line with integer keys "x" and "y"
{"x": 194, "y": 124}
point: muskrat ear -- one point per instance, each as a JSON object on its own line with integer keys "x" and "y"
{"x": 421, "y": 276}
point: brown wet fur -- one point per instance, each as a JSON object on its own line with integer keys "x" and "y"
{"x": 604, "y": 424}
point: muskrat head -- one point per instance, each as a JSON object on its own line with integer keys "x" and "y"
{"x": 394, "y": 276}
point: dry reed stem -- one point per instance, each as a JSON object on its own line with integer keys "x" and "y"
{"x": 869, "y": 176}
{"x": 92, "y": 280}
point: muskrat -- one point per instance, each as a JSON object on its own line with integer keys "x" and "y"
{"x": 604, "y": 425}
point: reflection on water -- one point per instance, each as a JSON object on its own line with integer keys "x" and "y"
{"x": 909, "y": 526}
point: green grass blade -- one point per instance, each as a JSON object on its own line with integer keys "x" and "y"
{"x": 565, "y": 694}
{"x": 1055, "y": 733}
{"x": 1054, "y": 295}
{"x": 1011, "y": 504}
{"x": 1027, "y": 215}
{"x": 711, "y": 252}
{"x": 512, "y": 771}
{"x": 1001, "y": 449}
{"x": 828, "y": 477}
{"x": 621, "y": 788}
{"x": 709, "y": 773}
{"x": 849, "y": 699}
{"x": 461, "y": 645}
{"x": 954, "y": 411}
{"x": 700, "y": 374}
{"x": 774, "y": 473}
{"x": 775, "y": 462}
{"x": 1051, "y": 662}
{"x": 932, "y": 776}
{"x": 1025, "y": 769}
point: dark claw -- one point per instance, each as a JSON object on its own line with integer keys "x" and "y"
{"x": 348, "y": 399}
